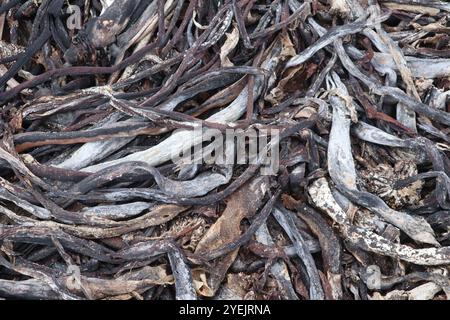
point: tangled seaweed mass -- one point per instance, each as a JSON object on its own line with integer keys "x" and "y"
{"x": 97, "y": 97}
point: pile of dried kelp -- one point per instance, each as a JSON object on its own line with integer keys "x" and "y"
{"x": 97, "y": 95}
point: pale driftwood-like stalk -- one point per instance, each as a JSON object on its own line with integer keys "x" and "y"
{"x": 323, "y": 199}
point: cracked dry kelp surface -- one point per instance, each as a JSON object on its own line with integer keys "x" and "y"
{"x": 92, "y": 207}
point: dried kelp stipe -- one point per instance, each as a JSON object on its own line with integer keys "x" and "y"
{"x": 119, "y": 179}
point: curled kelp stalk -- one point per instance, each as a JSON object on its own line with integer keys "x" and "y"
{"x": 343, "y": 173}
{"x": 183, "y": 278}
{"x": 286, "y": 222}
{"x": 279, "y": 269}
